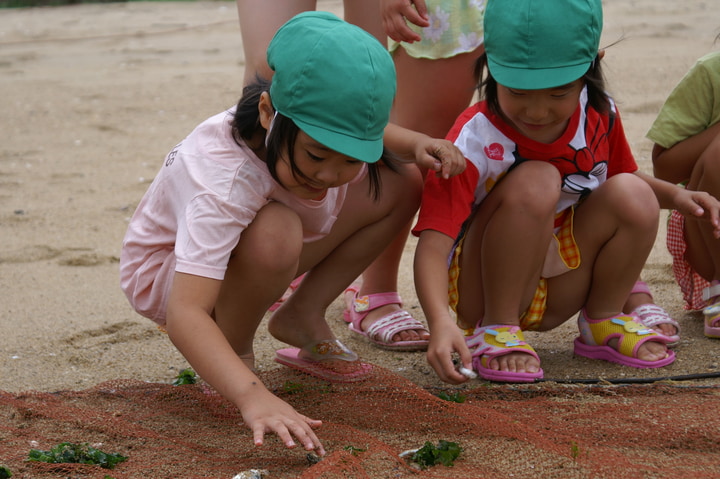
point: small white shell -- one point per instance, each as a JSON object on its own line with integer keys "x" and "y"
{"x": 409, "y": 452}
{"x": 252, "y": 474}
{"x": 468, "y": 373}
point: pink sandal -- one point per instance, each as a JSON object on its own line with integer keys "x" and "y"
{"x": 595, "y": 334}
{"x": 488, "y": 342}
{"x": 652, "y": 315}
{"x": 329, "y": 359}
{"x": 381, "y": 332}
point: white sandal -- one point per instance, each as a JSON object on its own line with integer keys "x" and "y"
{"x": 652, "y": 315}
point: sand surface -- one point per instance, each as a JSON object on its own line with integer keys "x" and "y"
{"x": 94, "y": 96}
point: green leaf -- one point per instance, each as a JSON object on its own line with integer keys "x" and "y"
{"x": 68, "y": 452}
{"x": 444, "y": 453}
{"x": 186, "y": 376}
{"x": 5, "y": 472}
{"x": 453, "y": 397}
{"x": 354, "y": 450}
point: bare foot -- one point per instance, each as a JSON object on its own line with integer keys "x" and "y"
{"x": 298, "y": 327}
{"x": 648, "y": 351}
{"x": 515, "y": 363}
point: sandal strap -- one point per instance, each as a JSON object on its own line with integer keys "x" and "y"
{"x": 389, "y": 325}
{"x": 327, "y": 349}
{"x": 368, "y": 302}
{"x": 711, "y": 292}
{"x": 497, "y": 340}
{"x": 641, "y": 287}
{"x": 629, "y": 330}
{"x": 651, "y": 315}
{"x": 712, "y": 315}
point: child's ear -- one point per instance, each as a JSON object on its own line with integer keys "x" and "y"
{"x": 265, "y": 110}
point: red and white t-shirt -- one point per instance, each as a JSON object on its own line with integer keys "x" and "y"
{"x": 592, "y": 149}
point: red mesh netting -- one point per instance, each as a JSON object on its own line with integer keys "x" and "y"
{"x": 541, "y": 430}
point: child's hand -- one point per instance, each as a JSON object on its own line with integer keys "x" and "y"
{"x": 441, "y": 156}
{"x": 395, "y": 13}
{"x": 268, "y": 413}
{"x": 700, "y": 204}
{"x": 443, "y": 343}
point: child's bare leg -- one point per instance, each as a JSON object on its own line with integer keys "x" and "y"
{"x": 381, "y": 277}
{"x": 640, "y": 298}
{"x": 504, "y": 251}
{"x": 261, "y": 266}
{"x": 446, "y": 86}
{"x": 615, "y": 228}
{"x": 703, "y": 251}
{"x": 363, "y": 229}
{"x": 258, "y": 23}
{"x": 366, "y": 15}
{"x": 637, "y": 299}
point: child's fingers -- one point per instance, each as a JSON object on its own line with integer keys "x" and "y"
{"x": 448, "y": 160}
{"x": 307, "y": 436}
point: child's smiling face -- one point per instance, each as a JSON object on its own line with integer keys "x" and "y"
{"x": 320, "y": 167}
{"x": 541, "y": 115}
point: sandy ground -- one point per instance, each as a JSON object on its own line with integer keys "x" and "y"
{"x": 94, "y": 96}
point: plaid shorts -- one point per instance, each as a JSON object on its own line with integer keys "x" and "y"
{"x": 691, "y": 283}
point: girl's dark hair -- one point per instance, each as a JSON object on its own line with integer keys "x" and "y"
{"x": 593, "y": 78}
{"x": 246, "y": 125}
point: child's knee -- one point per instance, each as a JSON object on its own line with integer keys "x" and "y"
{"x": 274, "y": 238}
{"x": 634, "y": 199}
{"x": 533, "y": 186}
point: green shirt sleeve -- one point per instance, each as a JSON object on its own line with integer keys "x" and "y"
{"x": 692, "y": 107}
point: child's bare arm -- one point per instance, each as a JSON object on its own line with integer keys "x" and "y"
{"x": 431, "y": 283}
{"x": 675, "y": 164}
{"x": 695, "y": 204}
{"x": 439, "y": 155}
{"x": 200, "y": 340}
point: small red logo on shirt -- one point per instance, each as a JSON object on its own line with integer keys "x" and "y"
{"x": 495, "y": 151}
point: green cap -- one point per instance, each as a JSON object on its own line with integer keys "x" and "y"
{"x": 335, "y": 81}
{"x": 536, "y": 44}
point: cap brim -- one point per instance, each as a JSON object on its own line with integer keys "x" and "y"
{"x": 536, "y": 79}
{"x": 368, "y": 151}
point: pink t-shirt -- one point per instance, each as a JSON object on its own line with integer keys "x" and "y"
{"x": 207, "y": 192}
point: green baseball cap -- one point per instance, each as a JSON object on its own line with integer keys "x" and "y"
{"x": 536, "y": 44}
{"x": 335, "y": 81}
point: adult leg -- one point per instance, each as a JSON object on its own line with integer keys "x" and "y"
{"x": 366, "y": 15}
{"x": 432, "y": 92}
{"x": 259, "y": 20}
